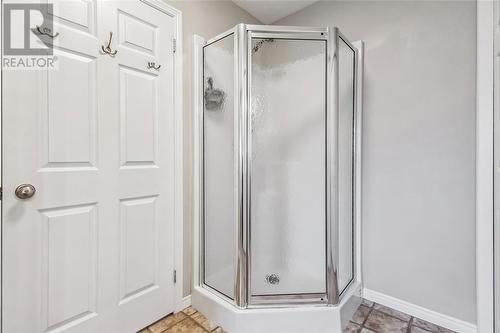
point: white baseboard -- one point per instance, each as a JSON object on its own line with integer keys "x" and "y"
{"x": 440, "y": 319}
{"x": 186, "y": 302}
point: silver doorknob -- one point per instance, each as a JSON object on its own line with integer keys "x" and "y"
{"x": 25, "y": 191}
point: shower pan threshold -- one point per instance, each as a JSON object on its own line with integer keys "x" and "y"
{"x": 308, "y": 318}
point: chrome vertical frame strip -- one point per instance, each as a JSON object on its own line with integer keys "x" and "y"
{"x": 358, "y": 131}
{"x": 355, "y": 158}
{"x": 241, "y": 110}
{"x": 198, "y": 44}
{"x": 201, "y": 168}
{"x": 248, "y": 53}
{"x": 332, "y": 231}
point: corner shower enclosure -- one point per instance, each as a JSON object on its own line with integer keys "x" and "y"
{"x": 277, "y": 137}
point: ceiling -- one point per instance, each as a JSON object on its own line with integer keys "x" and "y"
{"x": 270, "y": 11}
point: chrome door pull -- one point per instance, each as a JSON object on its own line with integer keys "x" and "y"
{"x": 25, "y": 191}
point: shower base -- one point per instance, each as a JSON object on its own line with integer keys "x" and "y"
{"x": 297, "y": 319}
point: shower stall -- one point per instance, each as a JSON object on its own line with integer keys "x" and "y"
{"x": 277, "y": 163}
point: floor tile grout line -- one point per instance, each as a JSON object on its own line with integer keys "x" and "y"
{"x": 362, "y": 325}
{"x": 206, "y": 330}
{"x": 191, "y": 316}
{"x": 184, "y": 319}
{"x": 154, "y": 323}
{"x": 197, "y": 323}
{"x": 372, "y": 308}
{"x": 210, "y": 331}
{"x": 392, "y": 316}
{"x": 368, "y": 315}
{"x": 175, "y": 324}
{"x": 168, "y": 327}
{"x": 410, "y": 322}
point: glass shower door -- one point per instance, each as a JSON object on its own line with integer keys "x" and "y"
{"x": 287, "y": 161}
{"x": 219, "y": 172}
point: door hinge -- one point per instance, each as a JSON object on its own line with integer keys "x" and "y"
{"x": 175, "y": 276}
{"x": 1, "y": 193}
{"x": 174, "y": 44}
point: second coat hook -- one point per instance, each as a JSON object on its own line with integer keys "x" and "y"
{"x": 153, "y": 65}
{"x": 107, "y": 49}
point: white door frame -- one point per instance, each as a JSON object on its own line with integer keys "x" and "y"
{"x": 179, "y": 150}
{"x": 484, "y": 167}
{"x": 178, "y": 153}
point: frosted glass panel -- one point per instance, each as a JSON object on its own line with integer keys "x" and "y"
{"x": 288, "y": 218}
{"x": 219, "y": 157}
{"x": 345, "y": 136}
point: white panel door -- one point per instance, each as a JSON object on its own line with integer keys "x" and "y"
{"x": 92, "y": 250}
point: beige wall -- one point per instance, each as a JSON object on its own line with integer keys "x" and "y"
{"x": 418, "y": 146}
{"x": 207, "y": 19}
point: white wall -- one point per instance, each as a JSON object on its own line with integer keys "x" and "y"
{"x": 207, "y": 19}
{"x": 418, "y": 146}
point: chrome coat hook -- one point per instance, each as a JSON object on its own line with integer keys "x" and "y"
{"x": 107, "y": 49}
{"x": 46, "y": 31}
{"x": 153, "y": 65}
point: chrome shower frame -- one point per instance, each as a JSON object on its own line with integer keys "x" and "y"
{"x": 243, "y": 35}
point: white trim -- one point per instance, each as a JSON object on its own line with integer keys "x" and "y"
{"x": 437, "y": 318}
{"x": 179, "y": 162}
{"x": 179, "y": 151}
{"x": 163, "y": 7}
{"x": 1, "y": 162}
{"x": 484, "y": 167}
{"x": 186, "y": 302}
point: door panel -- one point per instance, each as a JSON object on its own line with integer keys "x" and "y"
{"x": 138, "y": 226}
{"x": 70, "y": 260}
{"x": 77, "y": 14}
{"x": 137, "y": 34}
{"x": 92, "y": 251}
{"x": 70, "y": 119}
{"x": 139, "y": 117}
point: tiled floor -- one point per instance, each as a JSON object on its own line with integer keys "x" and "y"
{"x": 370, "y": 318}
{"x": 187, "y": 321}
